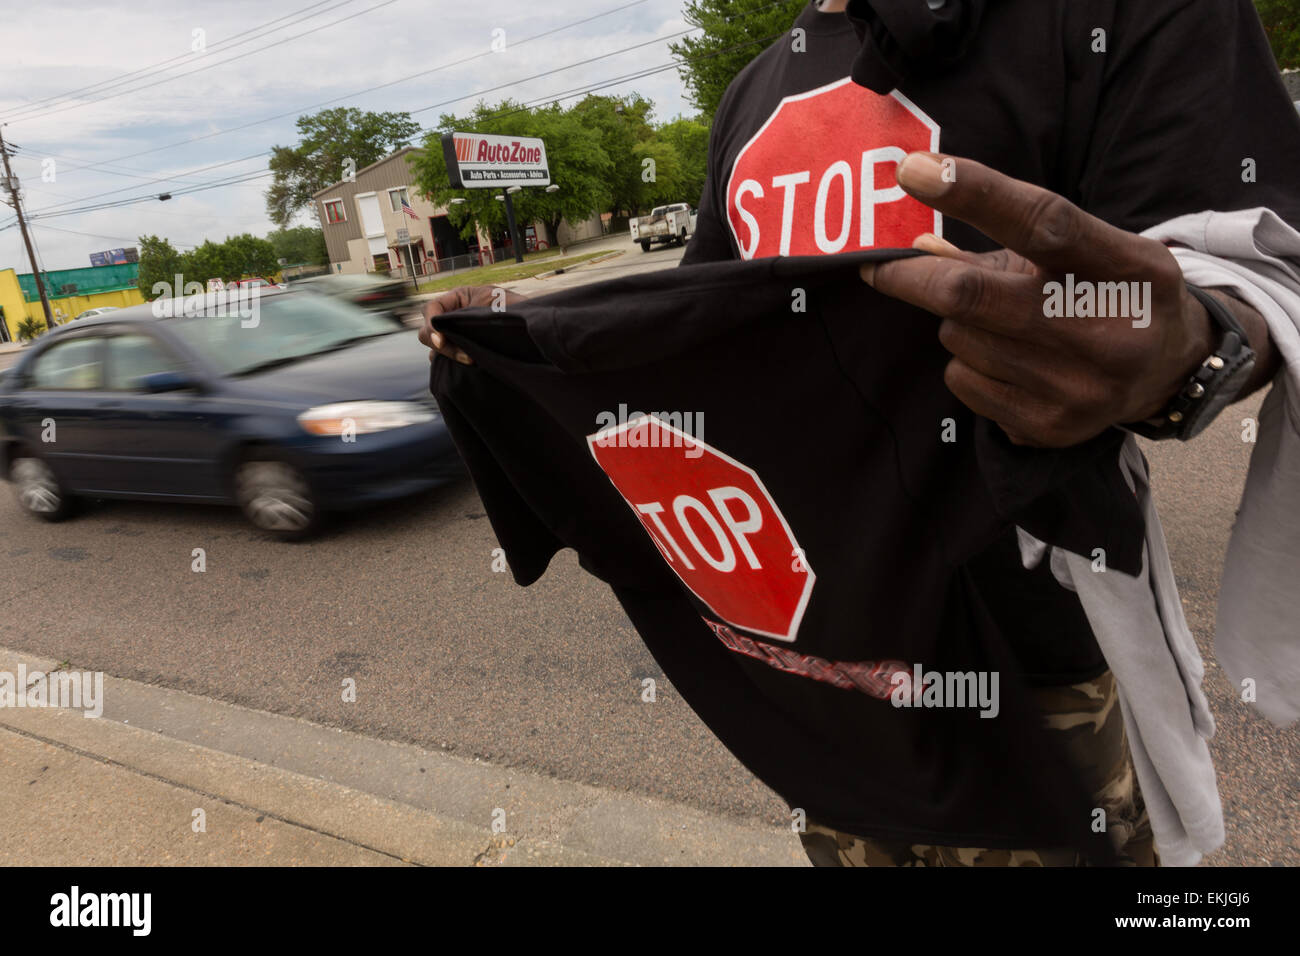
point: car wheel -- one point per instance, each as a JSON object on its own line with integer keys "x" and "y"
{"x": 645, "y": 245}
{"x": 277, "y": 499}
{"x": 40, "y": 493}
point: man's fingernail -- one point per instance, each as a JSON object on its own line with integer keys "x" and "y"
{"x": 922, "y": 175}
{"x": 868, "y": 273}
{"x": 463, "y": 359}
{"x": 935, "y": 245}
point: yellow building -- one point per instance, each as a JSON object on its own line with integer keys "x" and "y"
{"x": 12, "y": 303}
{"x": 70, "y": 291}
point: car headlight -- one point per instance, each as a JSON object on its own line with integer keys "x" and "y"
{"x": 361, "y": 418}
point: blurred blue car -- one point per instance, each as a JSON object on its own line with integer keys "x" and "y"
{"x": 289, "y": 404}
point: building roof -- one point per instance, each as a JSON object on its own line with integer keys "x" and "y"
{"x": 387, "y": 159}
{"x": 89, "y": 280}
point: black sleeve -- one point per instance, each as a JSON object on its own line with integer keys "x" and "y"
{"x": 711, "y": 241}
{"x": 1187, "y": 93}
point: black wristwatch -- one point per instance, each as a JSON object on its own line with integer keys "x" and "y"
{"x": 1214, "y": 385}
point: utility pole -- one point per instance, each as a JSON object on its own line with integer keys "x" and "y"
{"x": 513, "y": 226}
{"x": 12, "y": 182}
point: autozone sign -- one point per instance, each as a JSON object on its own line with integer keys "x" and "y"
{"x": 480, "y": 160}
{"x": 714, "y": 523}
{"x": 819, "y": 176}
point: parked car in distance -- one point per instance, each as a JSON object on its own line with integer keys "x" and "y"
{"x": 317, "y": 406}
{"x": 90, "y": 313}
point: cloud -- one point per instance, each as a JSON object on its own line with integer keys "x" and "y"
{"x": 56, "y": 48}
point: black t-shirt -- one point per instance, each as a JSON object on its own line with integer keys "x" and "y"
{"x": 1138, "y": 112}
{"x": 791, "y": 530}
{"x": 1181, "y": 111}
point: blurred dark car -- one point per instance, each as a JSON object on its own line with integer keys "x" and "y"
{"x": 300, "y": 405}
{"x": 372, "y": 292}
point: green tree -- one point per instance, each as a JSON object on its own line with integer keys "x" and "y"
{"x": 159, "y": 262}
{"x": 661, "y": 175}
{"x": 623, "y": 125}
{"x": 690, "y": 139}
{"x": 578, "y": 164}
{"x": 301, "y": 245}
{"x": 1281, "y": 19}
{"x": 332, "y": 142}
{"x": 247, "y": 255}
{"x": 208, "y": 261}
{"x": 29, "y": 328}
{"x": 735, "y": 31}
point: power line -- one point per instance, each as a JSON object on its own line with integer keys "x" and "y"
{"x": 95, "y": 235}
{"x": 243, "y": 178}
{"x": 128, "y": 171}
{"x": 614, "y": 81}
{"x": 551, "y": 98}
{"x": 210, "y": 66}
{"x": 39, "y": 104}
{"x": 44, "y": 211}
{"x": 514, "y": 82}
{"x": 57, "y": 210}
{"x": 561, "y": 69}
{"x": 370, "y": 89}
{"x": 164, "y": 179}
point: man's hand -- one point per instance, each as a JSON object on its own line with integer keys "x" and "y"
{"x": 1053, "y": 381}
{"x": 462, "y": 297}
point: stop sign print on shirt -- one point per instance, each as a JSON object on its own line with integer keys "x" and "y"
{"x": 714, "y": 523}
{"x": 819, "y": 176}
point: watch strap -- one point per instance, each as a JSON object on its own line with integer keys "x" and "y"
{"x": 1212, "y": 386}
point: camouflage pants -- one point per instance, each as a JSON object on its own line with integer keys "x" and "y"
{"x": 1088, "y": 720}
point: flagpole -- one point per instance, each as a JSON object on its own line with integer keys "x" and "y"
{"x": 410, "y": 257}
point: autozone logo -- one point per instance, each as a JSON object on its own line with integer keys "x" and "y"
{"x": 472, "y": 150}
{"x": 819, "y": 175}
{"x": 464, "y": 147}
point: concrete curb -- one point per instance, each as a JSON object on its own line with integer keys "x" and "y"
{"x": 614, "y": 254}
{"x": 364, "y": 800}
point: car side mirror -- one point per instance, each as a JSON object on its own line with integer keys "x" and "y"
{"x": 167, "y": 382}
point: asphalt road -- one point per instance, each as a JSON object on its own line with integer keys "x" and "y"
{"x": 446, "y": 653}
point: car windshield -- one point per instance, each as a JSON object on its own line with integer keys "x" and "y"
{"x": 658, "y": 210}
{"x": 276, "y": 330}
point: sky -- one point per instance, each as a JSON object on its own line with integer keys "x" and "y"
{"x": 161, "y": 122}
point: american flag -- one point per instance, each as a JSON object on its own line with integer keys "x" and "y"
{"x": 406, "y": 208}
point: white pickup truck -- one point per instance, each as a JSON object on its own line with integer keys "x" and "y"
{"x": 675, "y": 224}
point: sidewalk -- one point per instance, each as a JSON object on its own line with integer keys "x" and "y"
{"x": 617, "y": 247}
{"x": 122, "y": 789}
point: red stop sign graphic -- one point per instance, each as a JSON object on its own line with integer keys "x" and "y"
{"x": 713, "y": 522}
{"x": 819, "y": 176}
